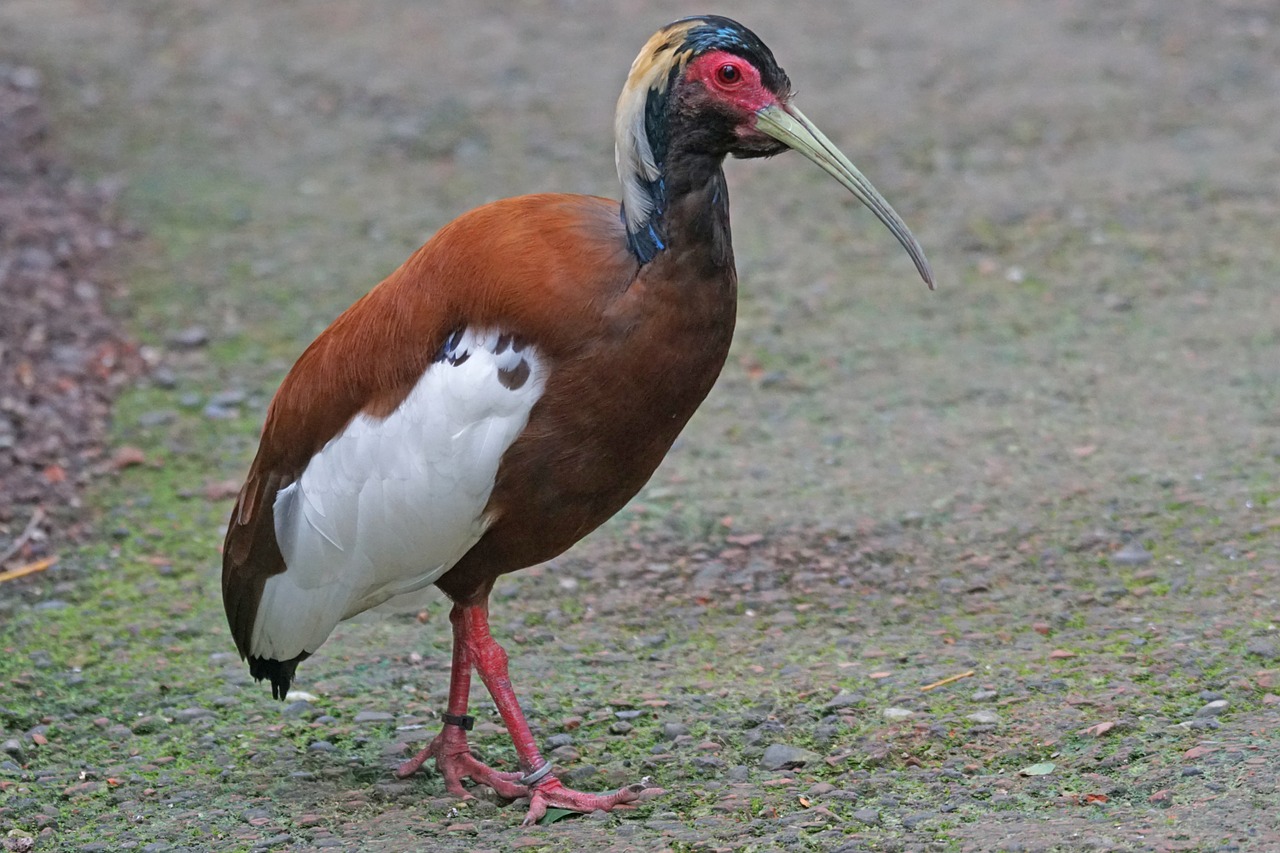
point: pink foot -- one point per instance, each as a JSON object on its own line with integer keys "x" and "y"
{"x": 551, "y": 793}
{"x": 455, "y": 762}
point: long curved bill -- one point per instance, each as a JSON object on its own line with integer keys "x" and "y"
{"x": 790, "y": 127}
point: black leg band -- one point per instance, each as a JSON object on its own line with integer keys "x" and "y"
{"x": 466, "y": 722}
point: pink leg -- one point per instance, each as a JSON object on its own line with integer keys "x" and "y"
{"x": 449, "y": 748}
{"x": 471, "y": 627}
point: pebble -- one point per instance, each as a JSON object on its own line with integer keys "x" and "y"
{"x": 558, "y": 740}
{"x": 671, "y": 731}
{"x": 985, "y": 695}
{"x": 188, "y": 715}
{"x": 621, "y": 727}
{"x": 214, "y": 412}
{"x": 913, "y": 821}
{"x": 230, "y": 397}
{"x": 782, "y": 756}
{"x": 845, "y": 700}
{"x": 1213, "y": 709}
{"x": 870, "y": 817}
{"x": 164, "y": 377}
{"x": 51, "y": 604}
{"x": 373, "y": 717}
{"x": 299, "y": 708}
{"x": 1263, "y": 647}
{"x": 1132, "y": 554}
{"x": 156, "y": 418}
{"x": 14, "y": 749}
{"x": 984, "y": 717}
{"x": 191, "y": 337}
{"x": 321, "y": 746}
{"x": 25, "y": 77}
{"x": 898, "y": 713}
{"x": 147, "y": 725}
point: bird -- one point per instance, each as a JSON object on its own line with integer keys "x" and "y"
{"x": 510, "y": 387}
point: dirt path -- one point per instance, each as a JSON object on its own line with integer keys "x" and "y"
{"x": 1060, "y": 472}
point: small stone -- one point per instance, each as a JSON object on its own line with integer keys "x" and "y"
{"x": 898, "y": 713}
{"x": 188, "y": 715}
{"x": 156, "y": 418}
{"x": 215, "y": 412}
{"x": 1213, "y": 709}
{"x": 870, "y": 817}
{"x": 739, "y": 773}
{"x": 671, "y": 731}
{"x": 14, "y": 749}
{"x": 984, "y": 717}
{"x": 621, "y": 727}
{"x": 147, "y": 725}
{"x": 1132, "y": 554}
{"x": 374, "y": 717}
{"x": 1263, "y": 647}
{"x": 628, "y": 715}
{"x": 985, "y": 695}
{"x": 164, "y": 377}
{"x": 300, "y": 708}
{"x": 321, "y": 746}
{"x": 845, "y": 700}
{"x": 781, "y": 756}
{"x": 230, "y": 397}
{"x": 558, "y": 740}
{"x": 25, "y": 77}
{"x": 913, "y": 821}
{"x": 191, "y": 337}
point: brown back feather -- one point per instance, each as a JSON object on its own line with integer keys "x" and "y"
{"x": 534, "y": 265}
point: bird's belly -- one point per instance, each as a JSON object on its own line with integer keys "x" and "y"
{"x": 602, "y": 427}
{"x": 391, "y": 503}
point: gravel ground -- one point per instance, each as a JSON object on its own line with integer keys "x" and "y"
{"x": 62, "y": 360}
{"x": 987, "y": 569}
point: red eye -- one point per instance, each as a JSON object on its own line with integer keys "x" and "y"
{"x": 729, "y": 75}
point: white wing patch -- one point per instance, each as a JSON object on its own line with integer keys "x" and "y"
{"x": 390, "y": 504}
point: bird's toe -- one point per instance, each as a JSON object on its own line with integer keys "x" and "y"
{"x": 552, "y": 793}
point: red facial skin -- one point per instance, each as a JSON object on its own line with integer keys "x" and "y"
{"x": 734, "y": 81}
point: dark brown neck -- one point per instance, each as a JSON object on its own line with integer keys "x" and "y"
{"x": 690, "y": 214}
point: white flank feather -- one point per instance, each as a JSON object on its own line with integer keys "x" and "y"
{"x": 390, "y": 504}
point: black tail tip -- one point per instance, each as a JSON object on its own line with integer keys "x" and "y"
{"x": 280, "y": 672}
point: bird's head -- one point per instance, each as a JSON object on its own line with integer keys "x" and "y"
{"x": 707, "y": 85}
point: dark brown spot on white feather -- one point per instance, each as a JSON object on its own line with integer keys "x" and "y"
{"x": 513, "y": 378}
